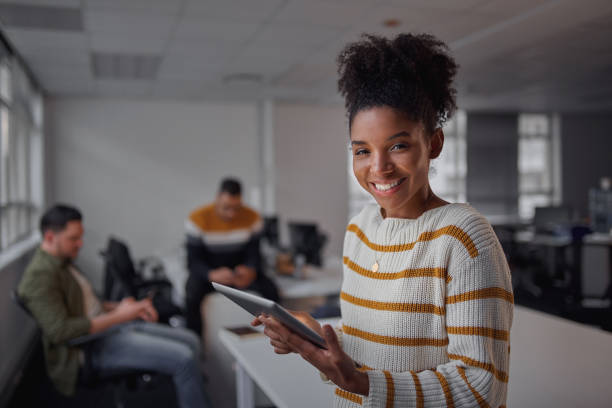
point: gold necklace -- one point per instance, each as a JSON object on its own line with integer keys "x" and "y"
{"x": 376, "y": 265}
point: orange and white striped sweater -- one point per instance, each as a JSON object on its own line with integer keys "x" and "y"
{"x": 431, "y": 324}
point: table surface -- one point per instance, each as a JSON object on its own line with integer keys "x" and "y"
{"x": 553, "y": 362}
{"x": 315, "y": 281}
{"x": 288, "y": 380}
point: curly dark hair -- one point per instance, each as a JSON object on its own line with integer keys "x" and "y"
{"x": 412, "y": 73}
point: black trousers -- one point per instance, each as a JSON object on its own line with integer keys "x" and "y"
{"x": 198, "y": 287}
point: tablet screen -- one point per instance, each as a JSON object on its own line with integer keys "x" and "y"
{"x": 257, "y": 305}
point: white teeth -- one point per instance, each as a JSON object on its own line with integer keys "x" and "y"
{"x": 385, "y": 187}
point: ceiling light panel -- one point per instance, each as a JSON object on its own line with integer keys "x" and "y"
{"x": 124, "y": 66}
{"x": 41, "y": 17}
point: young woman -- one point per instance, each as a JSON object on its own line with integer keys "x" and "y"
{"x": 426, "y": 298}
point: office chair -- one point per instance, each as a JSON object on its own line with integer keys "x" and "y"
{"x": 123, "y": 279}
{"x": 270, "y": 231}
{"x": 88, "y": 376}
{"x": 305, "y": 239}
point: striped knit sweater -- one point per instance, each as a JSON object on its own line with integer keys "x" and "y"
{"x": 431, "y": 325}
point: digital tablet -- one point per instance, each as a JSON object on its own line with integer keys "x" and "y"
{"x": 257, "y": 305}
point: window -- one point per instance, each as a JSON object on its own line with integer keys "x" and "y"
{"x": 537, "y": 159}
{"x": 447, "y": 175}
{"x": 21, "y": 153}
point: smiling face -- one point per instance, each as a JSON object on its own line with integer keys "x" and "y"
{"x": 391, "y": 155}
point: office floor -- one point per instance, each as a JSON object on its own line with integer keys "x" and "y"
{"x": 35, "y": 390}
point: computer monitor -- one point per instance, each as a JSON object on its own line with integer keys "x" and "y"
{"x": 546, "y": 219}
{"x": 270, "y": 231}
{"x": 305, "y": 239}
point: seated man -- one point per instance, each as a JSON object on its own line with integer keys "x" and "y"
{"x": 223, "y": 247}
{"x": 62, "y": 301}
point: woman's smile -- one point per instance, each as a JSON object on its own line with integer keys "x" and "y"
{"x": 387, "y": 188}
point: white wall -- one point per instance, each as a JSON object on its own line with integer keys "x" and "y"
{"x": 311, "y": 168}
{"x": 136, "y": 168}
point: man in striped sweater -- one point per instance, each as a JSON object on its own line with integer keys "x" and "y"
{"x": 223, "y": 247}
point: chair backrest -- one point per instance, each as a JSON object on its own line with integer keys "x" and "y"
{"x": 19, "y": 302}
{"x": 305, "y": 239}
{"x": 270, "y": 230}
{"x": 119, "y": 264}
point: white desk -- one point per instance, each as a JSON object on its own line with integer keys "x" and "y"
{"x": 553, "y": 363}
{"x": 287, "y": 380}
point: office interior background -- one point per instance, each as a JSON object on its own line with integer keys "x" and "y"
{"x": 133, "y": 110}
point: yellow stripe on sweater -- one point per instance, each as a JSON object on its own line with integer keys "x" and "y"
{"x": 500, "y": 375}
{"x": 486, "y": 293}
{"x": 406, "y": 273}
{"x": 481, "y": 401}
{"x": 390, "y": 389}
{"x": 450, "y": 230}
{"x": 349, "y": 396}
{"x": 446, "y": 388}
{"x": 479, "y": 331}
{"x": 393, "y": 306}
{"x": 393, "y": 341}
{"x": 419, "y": 390}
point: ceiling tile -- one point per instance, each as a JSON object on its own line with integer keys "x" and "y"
{"x": 59, "y": 3}
{"x": 186, "y": 69}
{"x": 306, "y": 74}
{"x": 151, "y": 7}
{"x": 54, "y": 72}
{"x": 321, "y": 13}
{"x": 123, "y": 88}
{"x": 24, "y": 39}
{"x": 446, "y": 5}
{"x": 202, "y": 50}
{"x": 63, "y": 87}
{"x": 118, "y": 22}
{"x": 274, "y": 35}
{"x": 134, "y": 43}
{"x": 217, "y": 31}
{"x": 178, "y": 89}
{"x": 236, "y": 10}
{"x": 40, "y": 17}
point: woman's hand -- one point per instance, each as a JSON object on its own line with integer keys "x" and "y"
{"x": 333, "y": 362}
{"x": 280, "y": 347}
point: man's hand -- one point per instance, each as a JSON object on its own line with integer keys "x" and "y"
{"x": 222, "y": 275}
{"x": 245, "y": 275}
{"x": 129, "y": 309}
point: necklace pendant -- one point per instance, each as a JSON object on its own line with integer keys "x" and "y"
{"x": 375, "y": 267}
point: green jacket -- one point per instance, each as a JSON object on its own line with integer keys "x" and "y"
{"x": 55, "y": 299}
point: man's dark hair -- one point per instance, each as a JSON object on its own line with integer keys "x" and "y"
{"x": 412, "y": 73}
{"x": 231, "y": 186}
{"x": 57, "y": 217}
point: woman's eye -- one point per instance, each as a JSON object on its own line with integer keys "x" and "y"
{"x": 360, "y": 152}
{"x": 398, "y": 146}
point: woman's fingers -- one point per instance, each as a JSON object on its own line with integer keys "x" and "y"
{"x": 333, "y": 345}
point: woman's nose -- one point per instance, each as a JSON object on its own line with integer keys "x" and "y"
{"x": 382, "y": 164}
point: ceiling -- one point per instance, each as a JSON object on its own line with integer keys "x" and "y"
{"x": 514, "y": 54}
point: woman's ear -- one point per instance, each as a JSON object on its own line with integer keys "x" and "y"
{"x": 436, "y": 142}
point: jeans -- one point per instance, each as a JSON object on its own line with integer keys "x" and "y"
{"x": 159, "y": 348}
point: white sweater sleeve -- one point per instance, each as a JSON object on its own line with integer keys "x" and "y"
{"x": 479, "y": 309}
